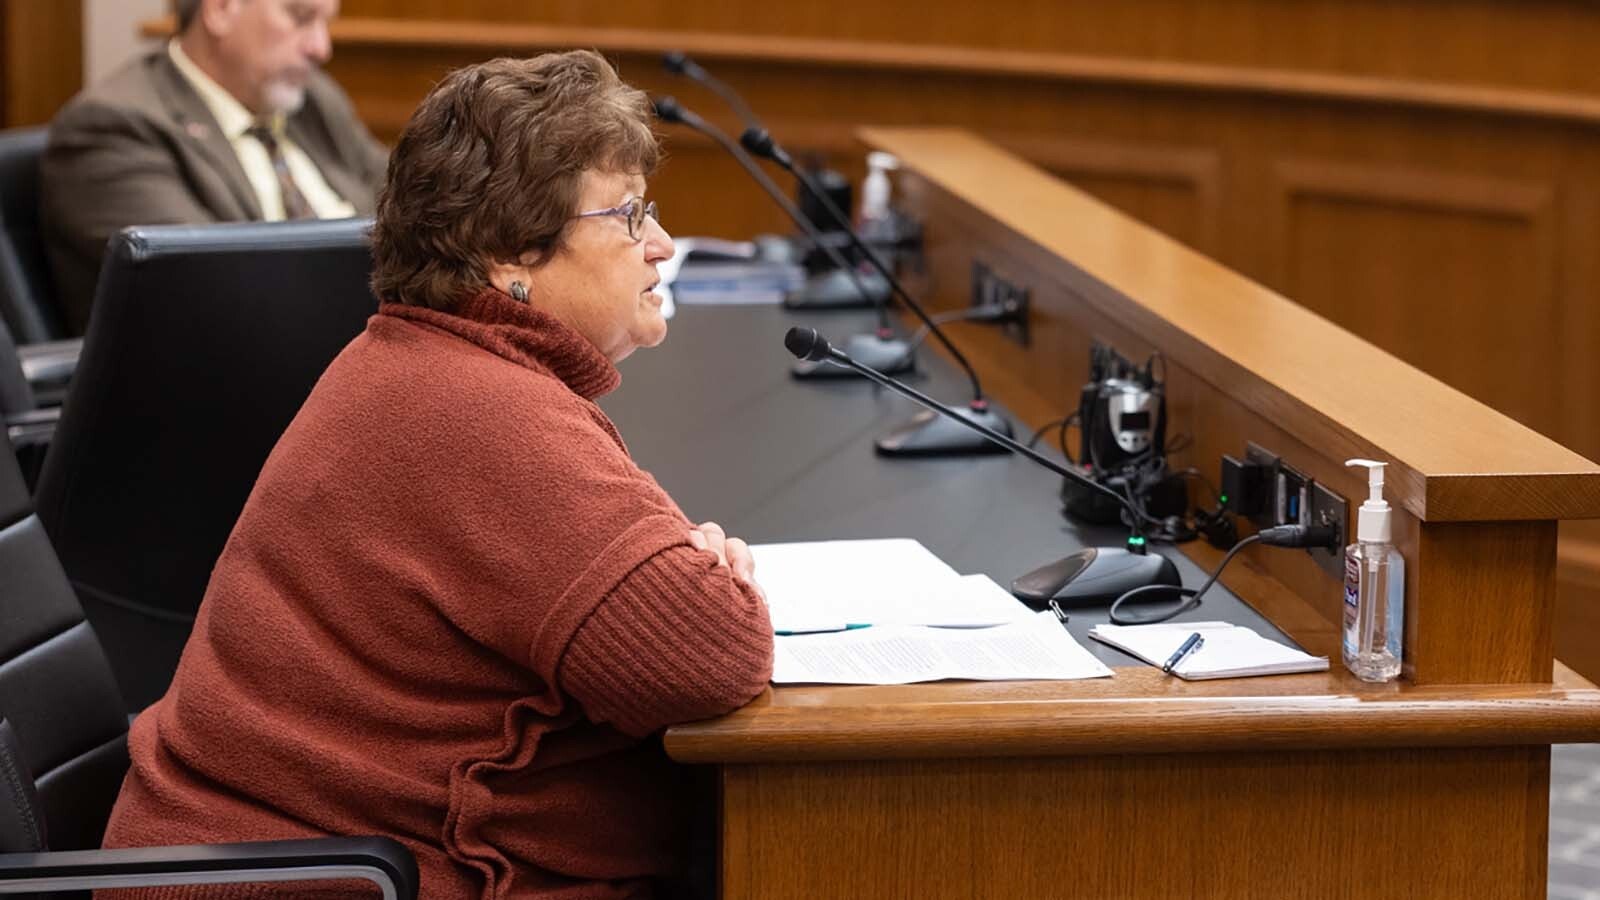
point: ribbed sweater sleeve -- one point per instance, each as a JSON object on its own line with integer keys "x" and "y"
{"x": 679, "y": 639}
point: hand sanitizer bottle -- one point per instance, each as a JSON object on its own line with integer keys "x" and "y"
{"x": 873, "y": 219}
{"x": 1374, "y": 588}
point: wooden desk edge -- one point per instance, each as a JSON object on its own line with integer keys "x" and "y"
{"x": 1137, "y": 712}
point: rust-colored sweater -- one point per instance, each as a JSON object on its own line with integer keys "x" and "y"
{"x": 454, "y": 612}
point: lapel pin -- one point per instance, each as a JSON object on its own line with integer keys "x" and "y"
{"x": 197, "y": 130}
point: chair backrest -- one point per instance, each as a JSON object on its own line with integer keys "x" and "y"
{"x": 204, "y": 343}
{"x": 27, "y": 289}
{"x": 16, "y": 395}
{"x": 56, "y": 690}
{"x": 22, "y": 826}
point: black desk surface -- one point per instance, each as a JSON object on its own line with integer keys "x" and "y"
{"x": 715, "y": 416}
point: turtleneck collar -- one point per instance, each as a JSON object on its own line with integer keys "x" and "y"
{"x": 523, "y": 335}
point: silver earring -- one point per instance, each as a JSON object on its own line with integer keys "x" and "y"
{"x": 519, "y": 292}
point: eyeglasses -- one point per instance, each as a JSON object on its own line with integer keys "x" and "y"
{"x": 633, "y": 212}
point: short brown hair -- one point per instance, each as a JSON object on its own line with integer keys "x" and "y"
{"x": 491, "y": 165}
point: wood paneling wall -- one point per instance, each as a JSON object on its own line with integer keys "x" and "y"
{"x": 41, "y": 65}
{"x": 1425, "y": 175}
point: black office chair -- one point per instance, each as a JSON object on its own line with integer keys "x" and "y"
{"x": 204, "y": 343}
{"x": 63, "y": 752}
{"x": 28, "y": 425}
{"x": 28, "y": 304}
{"x": 27, "y": 290}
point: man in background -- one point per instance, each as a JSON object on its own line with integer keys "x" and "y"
{"x": 232, "y": 120}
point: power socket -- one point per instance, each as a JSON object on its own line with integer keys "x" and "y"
{"x": 1328, "y": 508}
{"x": 1266, "y": 515}
{"x": 1290, "y": 497}
{"x": 991, "y": 290}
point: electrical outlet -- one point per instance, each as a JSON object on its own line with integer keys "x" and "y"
{"x": 1328, "y": 508}
{"x": 1267, "y": 514}
{"x": 991, "y": 290}
{"x": 1290, "y": 497}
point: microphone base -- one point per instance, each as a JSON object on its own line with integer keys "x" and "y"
{"x": 835, "y": 289}
{"x": 1094, "y": 577}
{"x": 930, "y": 434}
{"x": 890, "y": 356}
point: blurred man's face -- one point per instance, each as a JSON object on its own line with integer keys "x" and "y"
{"x": 272, "y": 47}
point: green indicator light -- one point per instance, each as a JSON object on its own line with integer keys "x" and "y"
{"x": 1136, "y": 540}
{"x": 1224, "y": 498}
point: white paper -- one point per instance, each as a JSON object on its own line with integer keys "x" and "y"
{"x": 1228, "y": 651}
{"x": 831, "y": 585}
{"x": 1035, "y": 648}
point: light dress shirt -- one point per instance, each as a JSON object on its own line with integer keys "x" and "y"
{"x": 235, "y": 121}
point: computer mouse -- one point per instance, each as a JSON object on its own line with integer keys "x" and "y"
{"x": 1092, "y": 576}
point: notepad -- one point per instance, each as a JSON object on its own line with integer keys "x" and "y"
{"x": 832, "y": 585}
{"x": 1229, "y": 651}
{"x": 1033, "y": 648}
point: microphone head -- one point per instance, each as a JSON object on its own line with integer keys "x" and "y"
{"x": 759, "y": 142}
{"x": 668, "y": 109}
{"x": 680, "y": 63}
{"x": 807, "y": 344}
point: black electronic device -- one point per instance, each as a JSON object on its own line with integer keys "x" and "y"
{"x": 1122, "y": 420}
{"x": 1122, "y": 413}
{"x": 1097, "y": 574}
{"x": 881, "y": 346}
{"x": 1092, "y": 576}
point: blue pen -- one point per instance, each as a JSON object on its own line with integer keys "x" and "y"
{"x": 850, "y": 626}
{"x": 1189, "y": 646}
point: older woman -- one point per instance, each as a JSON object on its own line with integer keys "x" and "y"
{"x": 453, "y": 610}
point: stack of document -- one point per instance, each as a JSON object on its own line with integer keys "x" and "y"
{"x": 890, "y": 612}
{"x": 833, "y": 585}
{"x": 1227, "y": 651}
{"x": 1034, "y": 648}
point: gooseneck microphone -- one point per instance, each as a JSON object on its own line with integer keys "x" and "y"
{"x": 823, "y": 290}
{"x": 678, "y": 63}
{"x": 926, "y": 434}
{"x": 1097, "y": 574}
{"x": 892, "y": 355}
{"x": 826, "y": 290}
{"x": 923, "y": 435}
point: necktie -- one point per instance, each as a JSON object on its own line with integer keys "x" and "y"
{"x": 294, "y": 202}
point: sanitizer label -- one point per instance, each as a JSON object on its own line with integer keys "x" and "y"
{"x": 1352, "y": 594}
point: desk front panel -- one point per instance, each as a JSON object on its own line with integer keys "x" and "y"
{"x": 1419, "y": 823}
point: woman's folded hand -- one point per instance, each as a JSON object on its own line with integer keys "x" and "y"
{"x": 731, "y": 552}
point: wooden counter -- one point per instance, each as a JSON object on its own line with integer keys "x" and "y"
{"x": 1141, "y": 785}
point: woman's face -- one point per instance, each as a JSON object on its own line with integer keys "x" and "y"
{"x": 601, "y": 282}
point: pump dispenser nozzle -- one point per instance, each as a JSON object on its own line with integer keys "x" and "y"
{"x": 1373, "y": 519}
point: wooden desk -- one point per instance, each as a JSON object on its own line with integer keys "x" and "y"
{"x": 1140, "y": 786}
{"x": 1298, "y": 786}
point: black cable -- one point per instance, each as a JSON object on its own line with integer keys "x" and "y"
{"x": 1150, "y": 368}
{"x": 1192, "y": 596}
{"x": 1299, "y": 536}
{"x": 977, "y": 313}
{"x": 1053, "y": 423}
{"x": 1197, "y": 475}
{"x": 1061, "y": 436}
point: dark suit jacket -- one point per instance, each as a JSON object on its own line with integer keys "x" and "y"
{"x": 141, "y": 148}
